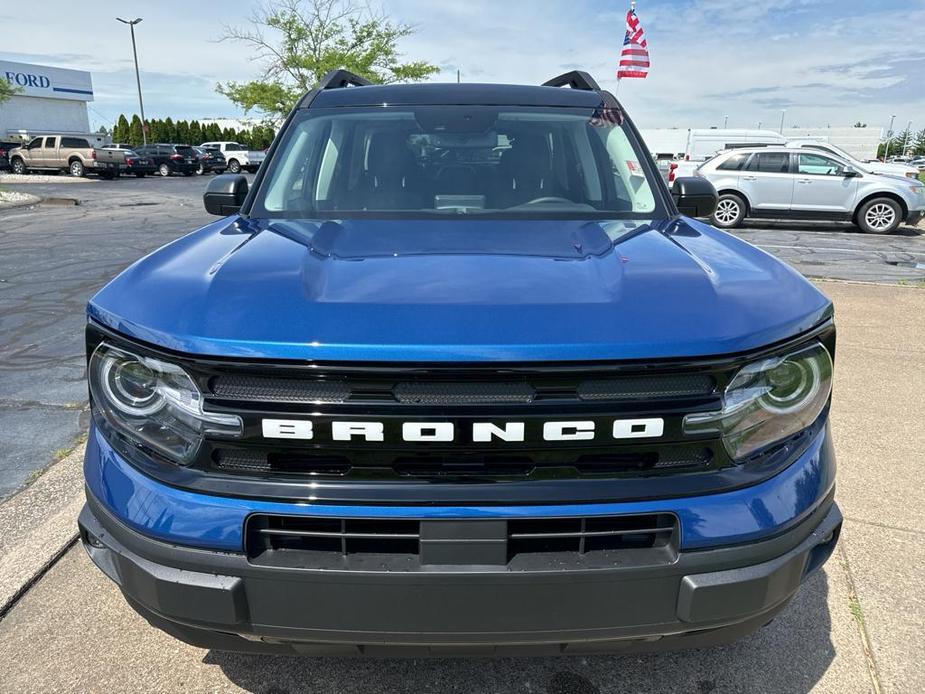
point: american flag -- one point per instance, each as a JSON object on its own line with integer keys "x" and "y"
{"x": 634, "y": 58}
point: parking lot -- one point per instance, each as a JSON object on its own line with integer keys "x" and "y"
{"x": 855, "y": 627}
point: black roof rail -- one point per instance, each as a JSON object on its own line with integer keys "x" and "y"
{"x": 335, "y": 79}
{"x": 576, "y": 79}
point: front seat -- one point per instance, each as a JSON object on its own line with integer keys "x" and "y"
{"x": 392, "y": 178}
{"x": 525, "y": 171}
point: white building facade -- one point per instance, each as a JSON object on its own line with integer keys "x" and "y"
{"x": 49, "y": 100}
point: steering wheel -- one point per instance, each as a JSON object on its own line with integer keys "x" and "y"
{"x": 549, "y": 198}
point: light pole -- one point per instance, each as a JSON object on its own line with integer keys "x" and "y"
{"x": 889, "y": 136}
{"x": 782, "y": 114}
{"x": 725, "y": 121}
{"x": 908, "y": 134}
{"x": 141, "y": 104}
{"x": 759, "y": 125}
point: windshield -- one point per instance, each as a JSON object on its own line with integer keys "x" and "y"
{"x": 235, "y": 147}
{"x": 457, "y": 160}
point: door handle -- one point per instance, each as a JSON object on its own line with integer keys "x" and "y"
{"x": 749, "y": 178}
{"x": 804, "y": 180}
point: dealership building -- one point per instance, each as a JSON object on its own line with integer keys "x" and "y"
{"x": 49, "y": 100}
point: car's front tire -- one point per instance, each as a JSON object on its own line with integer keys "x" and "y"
{"x": 19, "y": 167}
{"x": 879, "y": 216}
{"x": 730, "y": 211}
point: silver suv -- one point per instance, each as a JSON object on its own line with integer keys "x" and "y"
{"x": 790, "y": 182}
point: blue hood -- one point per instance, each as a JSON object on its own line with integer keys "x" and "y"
{"x": 459, "y": 290}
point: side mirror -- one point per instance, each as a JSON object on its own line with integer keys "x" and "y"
{"x": 225, "y": 194}
{"x": 850, "y": 172}
{"x": 694, "y": 196}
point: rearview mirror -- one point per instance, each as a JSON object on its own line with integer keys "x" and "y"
{"x": 225, "y": 194}
{"x": 694, "y": 196}
{"x": 850, "y": 172}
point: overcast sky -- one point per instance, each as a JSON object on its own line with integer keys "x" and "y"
{"x": 824, "y": 61}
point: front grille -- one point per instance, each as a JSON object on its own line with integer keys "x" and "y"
{"x": 440, "y": 392}
{"x": 409, "y": 545}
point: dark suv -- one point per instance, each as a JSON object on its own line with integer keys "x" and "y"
{"x": 171, "y": 159}
{"x": 459, "y": 374}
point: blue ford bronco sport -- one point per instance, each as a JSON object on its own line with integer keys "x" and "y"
{"x": 457, "y": 375}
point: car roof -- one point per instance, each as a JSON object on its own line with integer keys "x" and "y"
{"x": 767, "y": 148}
{"x": 456, "y": 94}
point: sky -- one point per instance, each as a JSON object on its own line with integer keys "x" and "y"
{"x": 824, "y": 62}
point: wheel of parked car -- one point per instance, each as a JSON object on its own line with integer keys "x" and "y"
{"x": 76, "y": 168}
{"x": 879, "y": 216}
{"x": 233, "y": 166}
{"x": 18, "y": 166}
{"x": 163, "y": 170}
{"x": 200, "y": 170}
{"x": 730, "y": 211}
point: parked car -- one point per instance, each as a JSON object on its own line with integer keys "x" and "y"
{"x": 5, "y": 148}
{"x": 459, "y": 376}
{"x": 919, "y": 163}
{"x": 170, "y": 159}
{"x": 78, "y": 155}
{"x": 211, "y": 160}
{"x": 787, "y": 182}
{"x": 239, "y": 157}
{"x": 877, "y": 167}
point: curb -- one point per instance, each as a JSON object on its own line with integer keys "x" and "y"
{"x": 39, "y": 526}
{"x": 33, "y": 200}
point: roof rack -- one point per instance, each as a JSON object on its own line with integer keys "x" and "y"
{"x": 335, "y": 79}
{"x": 576, "y": 79}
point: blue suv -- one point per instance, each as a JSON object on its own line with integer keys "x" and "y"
{"x": 457, "y": 374}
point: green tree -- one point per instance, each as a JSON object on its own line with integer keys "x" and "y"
{"x": 918, "y": 142}
{"x": 7, "y": 89}
{"x": 859, "y": 124}
{"x": 213, "y": 132}
{"x": 308, "y": 38}
{"x": 170, "y": 130}
{"x": 134, "y": 135}
{"x": 195, "y": 133}
{"x": 183, "y": 133}
{"x": 120, "y": 130}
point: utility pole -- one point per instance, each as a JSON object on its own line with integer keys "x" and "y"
{"x": 725, "y": 121}
{"x": 141, "y": 103}
{"x": 783, "y": 113}
{"x": 458, "y": 76}
{"x": 907, "y": 134}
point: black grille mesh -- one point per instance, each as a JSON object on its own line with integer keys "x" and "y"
{"x": 437, "y": 393}
{"x": 271, "y": 389}
{"x": 648, "y": 387}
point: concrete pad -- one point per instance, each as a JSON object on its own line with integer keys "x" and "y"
{"x": 38, "y": 524}
{"x": 887, "y": 569}
{"x": 74, "y": 632}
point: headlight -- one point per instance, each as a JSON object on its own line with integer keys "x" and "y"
{"x": 154, "y": 403}
{"x": 769, "y": 401}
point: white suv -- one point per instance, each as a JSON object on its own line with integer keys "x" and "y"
{"x": 796, "y": 183}
{"x": 238, "y": 156}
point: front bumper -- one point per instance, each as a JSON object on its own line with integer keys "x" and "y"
{"x": 216, "y": 599}
{"x": 914, "y": 217}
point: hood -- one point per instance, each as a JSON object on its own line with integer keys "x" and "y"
{"x": 889, "y": 169}
{"x": 459, "y": 290}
